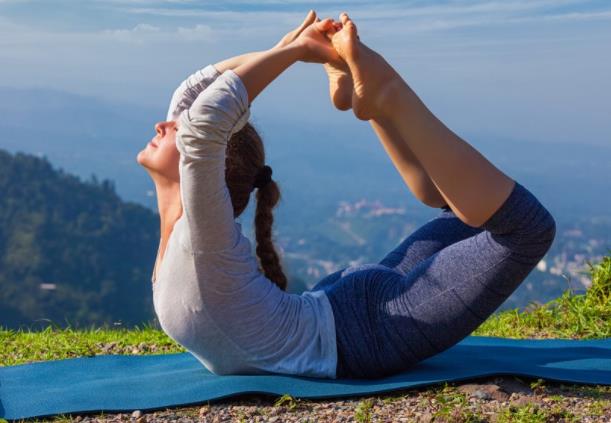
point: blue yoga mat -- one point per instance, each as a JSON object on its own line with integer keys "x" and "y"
{"x": 116, "y": 383}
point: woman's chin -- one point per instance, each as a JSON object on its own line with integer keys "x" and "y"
{"x": 140, "y": 159}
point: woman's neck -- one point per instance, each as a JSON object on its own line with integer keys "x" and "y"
{"x": 169, "y": 205}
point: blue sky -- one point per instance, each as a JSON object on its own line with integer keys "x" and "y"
{"x": 532, "y": 70}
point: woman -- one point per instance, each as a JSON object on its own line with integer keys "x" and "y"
{"x": 367, "y": 321}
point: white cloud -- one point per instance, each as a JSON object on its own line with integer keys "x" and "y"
{"x": 578, "y": 16}
{"x": 137, "y": 34}
{"x": 449, "y": 23}
{"x": 407, "y": 19}
{"x": 145, "y": 33}
{"x": 197, "y": 33}
{"x": 8, "y": 27}
{"x": 138, "y": 29}
{"x": 507, "y": 61}
{"x": 251, "y": 17}
{"x": 364, "y": 10}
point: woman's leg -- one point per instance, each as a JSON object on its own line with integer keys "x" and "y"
{"x": 413, "y": 174}
{"x": 436, "y": 234}
{"x": 386, "y": 322}
{"x": 472, "y": 186}
{"x": 406, "y": 163}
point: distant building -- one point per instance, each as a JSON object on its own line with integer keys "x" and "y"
{"x": 48, "y": 286}
{"x": 542, "y": 266}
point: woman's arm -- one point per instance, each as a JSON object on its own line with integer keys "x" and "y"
{"x": 234, "y": 62}
{"x": 260, "y": 72}
{"x": 203, "y": 133}
{"x": 204, "y": 130}
{"x": 189, "y": 89}
{"x": 312, "y": 45}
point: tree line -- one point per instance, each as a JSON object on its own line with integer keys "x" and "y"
{"x": 72, "y": 252}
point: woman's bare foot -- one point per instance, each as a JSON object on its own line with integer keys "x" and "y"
{"x": 340, "y": 85}
{"x": 340, "y": 80}
{"x": 373, "y": 78}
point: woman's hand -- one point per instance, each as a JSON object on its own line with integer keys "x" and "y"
{"x": 236, "y": 61}
{"x": 315, "y": 44}
{"x": 291, "y": 36}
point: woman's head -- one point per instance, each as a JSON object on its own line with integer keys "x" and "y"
{"x": 160, "y": 156}
{"x": 245, "y": 158}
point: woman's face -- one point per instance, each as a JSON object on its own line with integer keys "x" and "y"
{"x": 160, "y": 156}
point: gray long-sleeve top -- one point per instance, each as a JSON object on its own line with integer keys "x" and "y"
{"x": 208, "y": 292}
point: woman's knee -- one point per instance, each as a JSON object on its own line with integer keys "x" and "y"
{"x": 541, "y": 235}
{"x": 523, "y": 224}
{"x": 542, "y": 227}
{"x": 548, "y": 228}
{"x": 537, "y": 235}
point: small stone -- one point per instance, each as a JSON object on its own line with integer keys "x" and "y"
{"x": 204, "y": 410}
{"x": 106, "y": 348}
{"x": 512, "y": 385}
{"x": 141, "y": 419}
{"x": 273, "y": 419}
{"x": 137, "y": 414}
{"x": 481, "y": 395}
{"x": 499, "y": 395}
{"x": 468, "y": 388}
{"x": 521, "y": 401}
{"x": 426, "y": 418}
{"x": 485, "y": 391}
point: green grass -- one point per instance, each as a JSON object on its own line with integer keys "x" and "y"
{"x": 362, "y": 413}
{"x": 22, "y": 346}
{"x": 287, "y": 401}
{"x": 584, "y": 316}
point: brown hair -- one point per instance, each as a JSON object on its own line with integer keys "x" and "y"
{"x": 244, "y": 159}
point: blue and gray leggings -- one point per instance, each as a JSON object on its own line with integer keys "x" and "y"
{"x": 435, "y": 288}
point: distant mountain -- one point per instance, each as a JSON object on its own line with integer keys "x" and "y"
{"x": 71, "y": 251}
{"x": 80, "y": 134}
{"x": 320, "y": 167}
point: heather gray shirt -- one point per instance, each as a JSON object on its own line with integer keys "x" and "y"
{"x": 208, "y": 292}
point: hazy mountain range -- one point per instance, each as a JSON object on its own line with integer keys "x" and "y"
{"x": 321, "y": 169}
